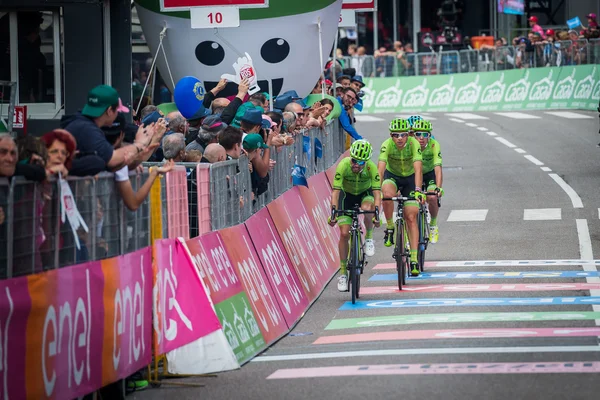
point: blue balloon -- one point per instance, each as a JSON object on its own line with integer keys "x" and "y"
{"x": 189, "y": 95}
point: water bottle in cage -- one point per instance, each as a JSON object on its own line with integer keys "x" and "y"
{"x": 427, "y": 215}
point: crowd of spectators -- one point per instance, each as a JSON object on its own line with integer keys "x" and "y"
{"x": 105, "y": 135}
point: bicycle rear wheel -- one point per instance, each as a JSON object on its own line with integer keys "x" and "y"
{"x": 422, "y": 222}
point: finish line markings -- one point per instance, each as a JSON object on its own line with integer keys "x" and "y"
{"x": 497, "y": 263}
{"x": 534, "y": 287}
{"x": 471, "y": 302}
{"x": 439, "y": 369}
{"x": 455, "y": 318}
{"x": 488, "y": 275}
{"x": 503, "y": 333}
{"x": 432, "y": 351}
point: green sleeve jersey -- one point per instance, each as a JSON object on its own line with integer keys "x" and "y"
{"x": 345, "y": 179}
{"x": 432, "y": 156}
{"x": 400, "y": 162}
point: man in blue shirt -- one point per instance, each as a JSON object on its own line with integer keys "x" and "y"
{"x": 347, "y": 100}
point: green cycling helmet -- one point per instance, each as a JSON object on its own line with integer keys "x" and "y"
{"x": 422, "y": 126}
{"x": 361, "y": 150}
{"x": 399, "y": 125}
{"x": 413, "y": 119}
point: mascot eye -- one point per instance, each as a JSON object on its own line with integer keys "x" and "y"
{"x": 275, "y": 50}
{"x": 210, "y": 53}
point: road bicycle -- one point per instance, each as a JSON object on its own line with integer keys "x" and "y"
{"x": 401, "y": 250}
{"x": 356, "y": 253}
{"x": 423, "y": 220}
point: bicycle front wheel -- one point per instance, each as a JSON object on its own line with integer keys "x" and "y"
{"x": 400, "y": 254}
{"x": 422, "y": 223}
{"x": 354, "y": 267}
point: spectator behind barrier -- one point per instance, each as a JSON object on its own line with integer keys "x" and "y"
{"x": 231, "y": 140}
{"x": 193, "y": 156}
{"x": 8, "y": 162}
{"x": 132, "y": 200}
{"x": 214, "y": 153}
{"x": 289, "y": 122}
{"x": 60, "y": 146}
{"x": 8, "y": 155}
{"x": 174, "y": 147}
{"x": 251, "y": 121}
{"x": 31, "y": 150}
{"x": 347, "y": 101}
{"x": 253, "y": 143}
{"x": 208, "y": 133}
{"x": 103, "y": 105}
{"x": 219, "y": 105}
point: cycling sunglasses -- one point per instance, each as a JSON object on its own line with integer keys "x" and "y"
{"x": 424, "y": 134}
{"x": 397, "y": 135}
{"x": 358, "y": 162}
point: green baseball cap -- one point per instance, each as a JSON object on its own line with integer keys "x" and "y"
{"x": 99, "y": 99}
{"x": 254, "y": 141}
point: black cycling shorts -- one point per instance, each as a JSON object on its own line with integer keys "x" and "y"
{"x": 405, "y": 184}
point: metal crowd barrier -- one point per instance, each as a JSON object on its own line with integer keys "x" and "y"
{"x": 543, "y": 54}
{"x": 33, "y": 238}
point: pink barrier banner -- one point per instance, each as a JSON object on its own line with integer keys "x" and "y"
{"x": 254, "y": 280}
{"x": 177, "y": 203}
{"x": 212, "y": 261}
{"x": 317, "y": 199}
{"x": 183, "y": 313}
{"x": 300, "y": 241}
{"x": 68, "y": 332}
{"x": 278, "y": 267}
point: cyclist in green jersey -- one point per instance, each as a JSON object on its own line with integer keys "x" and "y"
{"x": 356, "y": 182}
{"x": 400, "y": 165}
{"x": 432, "y": 171}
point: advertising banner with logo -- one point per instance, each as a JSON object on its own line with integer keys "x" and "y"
{"x": 572, "y": 87}
{"x": 70, "y": 331}
{"x": 254, "y": 280}
{"x": 301, "y": 242}
{"x": 182, "y": 313}
{"x": 282, "y": 276}
{"x": 231, "y": 303}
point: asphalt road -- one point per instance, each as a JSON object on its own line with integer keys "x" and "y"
{"x": 500, "y": 166}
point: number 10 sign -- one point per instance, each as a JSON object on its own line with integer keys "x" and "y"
{"x": 215, "y": 17}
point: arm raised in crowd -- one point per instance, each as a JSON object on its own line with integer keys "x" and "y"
{"x": 229, "y": 112}
{"x": 132, "y": 199}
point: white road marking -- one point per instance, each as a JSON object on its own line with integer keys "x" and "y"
{"x": 546, "y": 169}
{"x": 437, "y": 350}
{"x": 483, "y": 129}
{"x": 505, "y": 142}
{"x": 541, "y": 214}
{"x": 520, "y": 151}
{"x": 368, "y": 118}
{"x": 467, "y": 215}
{"x": 517, "y": 115}
{"x": 466, "y": 116}
{"x": 568, "y": 115}
{"x": 599, "y": 213}
{"x": 472, "y": 125}
{"x": 575, "y": 199}
{"x": 492, "y": 133}
{"x": 460, "y": 121}
{"x": 534, "y": 160}
{"x": 585, "y": 249}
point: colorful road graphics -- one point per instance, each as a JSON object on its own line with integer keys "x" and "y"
{"x": 437, "y": 369}
{"x": 497, "y": 263}
{"x": 491, "y": 275}
{"x": 384, "y": 317}
{"x": 472, "y": 302}
{"x": 370, "y": 290}
{"x": 392, "y": 320}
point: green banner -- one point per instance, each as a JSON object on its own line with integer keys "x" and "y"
{"x": 576, "y": 87}
{"x": 348, "y": 323}
{"x": 240, "y": 327}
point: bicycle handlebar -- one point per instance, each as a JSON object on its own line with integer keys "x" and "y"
{"x": 351, "y": 213}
